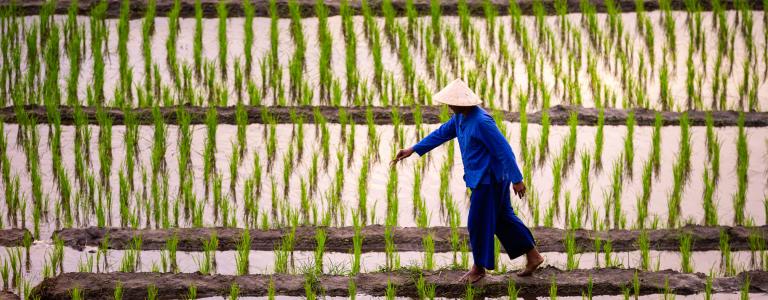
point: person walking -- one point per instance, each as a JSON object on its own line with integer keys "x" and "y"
{"x": 489, "y": 169}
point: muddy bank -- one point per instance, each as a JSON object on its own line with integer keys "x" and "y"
{"x": 8, "y": 295}
{"x": 339, "y": 239}
{"x": 558, "y": 115}
{"x": 13, "y": 237}
{"x": 569, "y": 283}
{"x": 448, "y": 7}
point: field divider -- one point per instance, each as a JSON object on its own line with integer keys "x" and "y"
{"x": 340, "y": 239}
{"x": 558, "y": 115}
{"x": 608, "y": 281}
{"x": 307, "y": 8}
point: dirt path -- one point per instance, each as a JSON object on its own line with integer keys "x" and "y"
{"x": 569, "y": 283}
{"x": 339, "y": 239}
{"x": 8, "y": 295}
{"x": 558, "y": 115}
{"x": 12, "y": 237}
{"x": 448, "y": 7}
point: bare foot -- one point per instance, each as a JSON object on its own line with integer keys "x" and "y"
{"x": 533, "y": 263}
{"x": 473, "y": 275}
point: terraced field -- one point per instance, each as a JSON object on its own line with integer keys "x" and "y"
{"x": 184, "y": 149}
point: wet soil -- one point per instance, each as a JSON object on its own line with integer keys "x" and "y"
{"x": 339, "y": 239}
{"x": 558, "y": 115}
{"x": 13, "y": 237}
{"x": 422, "y": 7}
{"x": 8, "y": 295}
{"x": 569, "y": 283}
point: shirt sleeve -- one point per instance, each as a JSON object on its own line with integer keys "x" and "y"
{"x": 446, "y": 132}
{"x": 497, "y": 145}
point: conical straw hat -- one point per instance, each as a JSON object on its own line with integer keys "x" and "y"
{"x": 457, "y": 93}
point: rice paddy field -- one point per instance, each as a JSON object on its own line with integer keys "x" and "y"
{"x": 228, "y": 149}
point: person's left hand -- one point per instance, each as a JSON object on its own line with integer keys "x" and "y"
{"x": 519, "y": 189}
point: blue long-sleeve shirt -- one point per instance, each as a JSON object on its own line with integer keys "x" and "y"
{"x": 483, "y": 147}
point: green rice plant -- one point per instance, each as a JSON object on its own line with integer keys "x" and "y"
{"x": 585, "y": 199}
{"x": 325, "y": 40}
{"x": 242, "y": 259}
{"x": 148, "y": 29}
{"x": 357, "y": 246}
{"x": 572, "y": 260}
{"x": 742, "y": 168}
{"x": 151, "y": 292}
{"x": 726, "y": 258}
{"x": 617, "y": 184}
{"x": 644, "y": 244}
{"x": 629, "y": 154}
{"x": 391, "y": 290}
{"x": 234, "y": 291}
{"x": 512, "y": 290}
{"x": 351, "y": 48}
{"x": 352, "y": 289}
{"x": 197, "y": 52}
{"x": 274, "y": 42}
{"x": 756, "y": 242}
{"x": 599, "y": 140}
{"x": 429, "y": 250}
{"x": 118, "y": 295}
{"x": 544, "y": 137}
{"x": 170, "y": 43}
{"x": 710, "y": 207}
{"x": 655, "y": 156}
{"x": 320, "y": 237}
{"x": 191, "y": 292}
{"x": 664, "y": 91}
{"x": 686, "y": 245}
{"x": 469, "y": 293}
{"x": 553, "y": 289}
{"x": 744, "y": 295}
{"x": 588, "y": 293}
{"x": 249, "y": 11}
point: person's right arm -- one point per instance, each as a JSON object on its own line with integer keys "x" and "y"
{"x": 444, "y": 133}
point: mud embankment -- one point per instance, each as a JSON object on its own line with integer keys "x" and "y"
{"x": 7, "y": 295}
{"x": 558, "y": 115}
{"x": 307, "y": 7}
{"x": 13, "y": 237}
{"x": 569, "y": 283}
{"x": 339, "y": 239}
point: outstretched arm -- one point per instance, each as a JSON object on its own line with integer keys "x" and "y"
{"x": 446, "y": 132}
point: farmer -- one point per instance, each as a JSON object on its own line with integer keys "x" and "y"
{"x": 489, "y": 168}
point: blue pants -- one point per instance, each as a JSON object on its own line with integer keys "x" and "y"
{"x": 490, "y": 212}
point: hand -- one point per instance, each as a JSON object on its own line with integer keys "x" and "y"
{"x": 519, "y": 189}
{"x": 402, "y": 154}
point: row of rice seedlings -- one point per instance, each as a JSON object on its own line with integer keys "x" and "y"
{"x": 197, "y": 40}
{"x": 296, "y": 64}
{"x": 221, "y": 10}
{"x": 147, "y": 31}
{"x": 170, "y": 43}
{"x": 350, "y": 38}
{"x": 742, "y": 169}
{"x": 325, "y": 40}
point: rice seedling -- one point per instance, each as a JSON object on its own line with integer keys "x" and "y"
{"x": 572, "y": 260}
{"x": 686, "y": 245}
{"x": 325, "y": 41}
{"x": 242, "y": 259}
{"x": 726, "y": 258}
{"x": 599, "y": 141}
{"x": 756, "y": 242}
{"x": 629, "y": 155}
{"x": 643, "y": 241}
{"x": 710, "y": 207}
{"x": 553, "y": 289}
{"x": 118, "y": 294}
{"x": 655, "y": 156}
{"x": 391, "y": 289}
{"x": 151, "y": 292}
{"x": 320, "y": 237}
{"x": 744, "y": 294}
{"x": 429, "y": 249}
{"x": 585, "y": 199}
{"x": 191, "y": 292}
{"x": 742, "y": 168}
{"x": 357, "y": 245}
{"x": 234, "y": 291}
